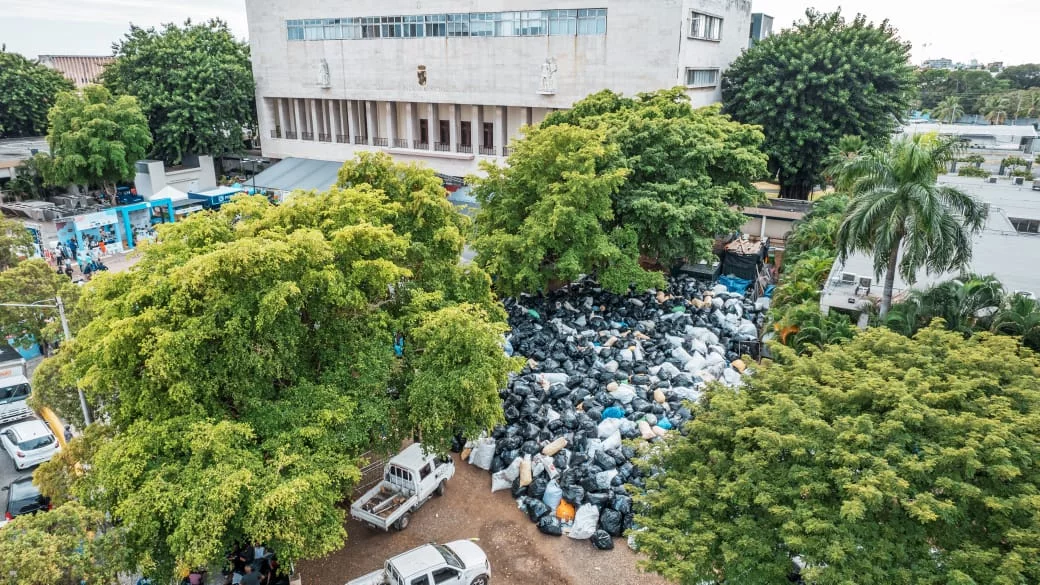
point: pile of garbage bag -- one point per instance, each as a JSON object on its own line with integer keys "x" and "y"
{"x": 603, "y": 368}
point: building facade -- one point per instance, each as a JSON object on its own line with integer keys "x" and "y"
{"x": 82, "y": 70}
{"x": 450, "y": 82}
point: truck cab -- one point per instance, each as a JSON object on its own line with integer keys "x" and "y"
{"x": 14, "y": 386}
{"x": 460, "y": 562}
{"x": 410, "y": 478}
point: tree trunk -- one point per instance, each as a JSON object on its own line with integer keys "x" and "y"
{"x": 798, "y": 191}
{"x": 890, "y": 280}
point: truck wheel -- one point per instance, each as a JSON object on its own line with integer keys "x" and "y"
{"x": 481, "y": 580}
{"x": 402, "y": 522}
{"x": 440, "y": 488}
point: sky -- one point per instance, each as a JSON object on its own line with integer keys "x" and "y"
{"x": 994, "y": 30}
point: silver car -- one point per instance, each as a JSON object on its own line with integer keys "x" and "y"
{"x": 29, "y": 443}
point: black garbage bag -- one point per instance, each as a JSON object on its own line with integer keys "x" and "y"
{"x": 558, "y": 391}
{"x": 530, "y": 409}
{"x": 562, "y": 459}
{"x": 516, "y": 489}
{"x": 604, "y": 461}
{"x": 537, "y": 487}
{"x": 609, "y": 520}
{"x": 530, "y": 447}
{"x": 498, "y": 464}
{"x": 574, "y": 493}
{"x": 622, "y": 504}
{"x": 458, "y": 442}
{"x": 627, "y": 521}
{"x": 509, "y": 443}
{"x": 641, "y": 379}
{"x": 537, "y": 508}
{"x": 630, "y": 432}
{"x": 628, "y": 452}
{"x": 511, "y": 413}
{"x": 598, "y": 499}
{"x": 640, "y": 405}
{"x": 625, "y": 470}
{"x": 529, "y": 430}
{"x": 617, "y": 455}
{"x": 589, "y": 483}
{"x": 594, "y": 413}
{"x": 602, "y": 541}
{"x": 555, "y": 426}
{"x": 548, "y": 524}
{"x": 569, "y": 419}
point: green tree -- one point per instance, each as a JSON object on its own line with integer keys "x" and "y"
{"x": 1019, "y": 316}
{"x": 15, "y": 242}
{"x": 949, "y": 110}
{"x": 1024, "y": 76}
{"x": 812, "y": 84}
{"x": 194, "y": 83}
{"x": 246, "y": 364}
{"x": 690, "y": 170}
{"x": 965, "y": 305}
{"x": 994, "y": 108}
{"x": 96, "y": 139}
{"x": 29, "y": 90}
{"x": 70, "y": 544}
{"x": 32, "y": 177}
{"x": 804, "y": 328}
{"x": 971, "y": 87}
{"x": 902, "y": 218}
{"x": 882, "y": 461}
{"x": 28, "y": 282}
{"x": 546, "y": 217}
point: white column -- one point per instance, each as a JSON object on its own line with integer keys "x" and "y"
{"x": 476, "y": 129}
{"x": 370, "y": 122}
{"x": 391, "y": 127}
{"x": 314, "y": 119}
{"x": 453, "y": 132}
{"x": 409, "y": 124}
{"x": 762, "y": 234}
{"x": 501, "y": 132}
{"x": 352, "y": 125}
{"x": 433, "y": 126}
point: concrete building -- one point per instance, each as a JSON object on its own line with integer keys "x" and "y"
{"x": 761, "y": 28}
{"x": 1007, "y": 248}
{"x": 988, "y": 136}
{"x": 81, "y": 70}
{"x": 449, "y": 82}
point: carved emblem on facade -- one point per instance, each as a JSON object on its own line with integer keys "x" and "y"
{"x": 548, "y": 82}
{"x": 421, "y": 73}
{"x": 324, "y": 78}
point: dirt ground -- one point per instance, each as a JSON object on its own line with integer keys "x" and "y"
{"x": 519, "y": 554}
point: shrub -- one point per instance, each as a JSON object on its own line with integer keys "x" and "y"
{"x": 972, "y": 172}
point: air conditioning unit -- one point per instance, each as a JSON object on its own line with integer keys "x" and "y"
{"x": 848, "y": 278}
{"x": 865, "y": 281}
{"x": 1019, "y": 180}
{"x": 992, "y": 180}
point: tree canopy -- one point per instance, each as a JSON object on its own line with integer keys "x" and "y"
{"x": 1024, "y": 76}
{"x": 246, "y": 364}
{"x": 613, "y": 181}
{"x": 883, "y": 461}
{"x": 970, "y": 86}
{"x": 95, "y": 138}
{"x": 194, "y": 83}
{"x": 15, "y": 242}
{"x": 812, "y": 84}
{"x": 29, "y": 90}
{"x": 688, "y": 167}
{"x": 33, "y": 281}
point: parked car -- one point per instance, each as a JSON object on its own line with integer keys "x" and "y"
{"x": 24, "y": 498}
{"x": 410, "y": 478}
{"x": 457, "y": 563}
{"x": 29, "y": 443}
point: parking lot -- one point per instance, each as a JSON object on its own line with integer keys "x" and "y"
{"x": 8, "y": 473}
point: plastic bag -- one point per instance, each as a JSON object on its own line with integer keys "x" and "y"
{"x": 611, "y": 442}
{"x": 574, "y": 494}
{"x": 536, "y": 509}
{"x": 614, "y": 412}
{"x": 610, "y": 520}
{"x": 504, "y": 479}
{"x": 586, "y": 519}
{"x": 645, "y": 431}
{"x": 554, "y": 447}
{"x": 483, "y": 454}
{"x": 525, "y": 471}
{"x": 602, "y": 540}
{"x": 565, "y": 511}
{"x": 548, "y": 524}
{"x": 553, "y": 494}
{"x": 537, "y": 487}
{"x": 607, "y": 427}
{"x": 604, "y": 478}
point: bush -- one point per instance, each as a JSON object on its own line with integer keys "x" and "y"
{"x": 972, "y": 172}
{"x": 1024, "y": 173}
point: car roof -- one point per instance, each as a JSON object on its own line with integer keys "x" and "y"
{"x": 417, "y": 560}
{"x": 410, "y": 458}
{"x": 22, "y": 489}
{"x": 30, "y": 429}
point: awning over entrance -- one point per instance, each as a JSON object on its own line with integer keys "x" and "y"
{"x": 297, "y": 173}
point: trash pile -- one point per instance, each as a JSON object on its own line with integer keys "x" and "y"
{"x": 603, "y": 368}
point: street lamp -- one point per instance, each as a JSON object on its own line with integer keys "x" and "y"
{"x": 256, "y": 165}
{"x": 68, "y": 337}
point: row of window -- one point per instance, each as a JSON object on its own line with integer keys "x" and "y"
{"x": 702, "y": 77}
{"x": 532, "y": 23}
{"x": 1029, "y": 226}
{"x": 705, "y": 27}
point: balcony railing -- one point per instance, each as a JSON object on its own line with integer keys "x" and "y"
{"x": 324, "y": 137}
{"x": 307, "y": 135}
{"x": 343, "y": 138}
{"x": 419, "y": 145}
{"x": 487, "y": 150}
{"x": 442, "y": 146}
{"x": 465, "y": 148}
{"x": 400, "y": 143}
{"x": 276, "y": 133}
{"x": 506, "y": 151}
{"x": 361, "y": 140}
{"x": 290, "y": 134}
{"x": 380, "y": 141}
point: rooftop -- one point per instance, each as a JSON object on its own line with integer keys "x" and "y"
{"x": 971, "y": 129}
{"x": 79, "y": 69}
{"x": 416, "y": 560}
{"x": 298, "y": 173}
{"x": 19, "y": 149}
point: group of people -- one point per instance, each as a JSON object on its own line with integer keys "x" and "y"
{"x": 65, "y": 253}
{"x": 254, "y": 565}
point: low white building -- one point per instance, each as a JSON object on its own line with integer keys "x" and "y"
{"x": 988, "y": 136}
{"x": 450, "y": 82}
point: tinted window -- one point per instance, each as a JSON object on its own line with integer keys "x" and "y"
{"x": 37, "y": 443}
{"x": 13, "y": 393}
{"x": 444, "y": 575}
{"x": 449, "y": 555}
{"x": 21, "y": 490}
{"x": 424, "y": 580}
{"x": 425, "y": 470}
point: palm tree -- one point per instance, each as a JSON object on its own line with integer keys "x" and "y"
{"x": 995, "y": 108}
{"x": 966, "y": 304}
{"x": 1021, "y": 316}
{"x": 898, "y": 208}
{"x": 949, "y": 110}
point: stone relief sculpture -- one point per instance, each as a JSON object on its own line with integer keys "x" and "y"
{"x": 548, "y": 84}
{"x": 324, "y": 78}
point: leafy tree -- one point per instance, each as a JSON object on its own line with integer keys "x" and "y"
{"x": 29, "y": 90}
{"x": 949, "y": 110}
{"x": 70, "y": 544}
{"x": 547, "y": 216}
{"x": 804, "y": 328}
{"x": 810, "y": 85}
{"x": 966, "y": 305}
{"x": 975, "y": 159}
{"x": 28, "y": 282}
{"x": 994, "y": 108}
{"x": 194, "y": 83}
{"x": 882, "y": 461}
{"x": 246, "y": 364}
{"x": 689, "y": 169}
{"x": 1024, "y": 76}
{"x": 15, "y": 242}
{"x": 1019, "y": 316}
{"x": 970, "y": 86}
{"x": 33, "y": 176}
{"x": 901, "y": 217}
{"x": 96, "y": 139}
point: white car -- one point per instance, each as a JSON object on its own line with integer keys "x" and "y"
{"x": 29, "y": 443}
{"x": 456, "y": 563}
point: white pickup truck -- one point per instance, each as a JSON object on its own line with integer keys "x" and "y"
{"x": 14, "y": 385}
{"x": 410, "y": 478}
{"x": 457, "y": 563}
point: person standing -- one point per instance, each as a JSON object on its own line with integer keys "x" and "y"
{"x": 251, "y": 577}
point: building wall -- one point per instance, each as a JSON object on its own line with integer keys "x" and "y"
{"x": 646, "y": 47}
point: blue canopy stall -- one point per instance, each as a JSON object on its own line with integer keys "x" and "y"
{"x": 214, "y": 198}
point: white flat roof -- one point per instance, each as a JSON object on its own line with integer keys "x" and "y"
{"x": 971, "y": 130}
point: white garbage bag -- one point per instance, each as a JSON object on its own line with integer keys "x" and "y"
{"x": 503, "y": 480}
{"x": 483, "y": 454}
{"x": 585, "y": 521}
